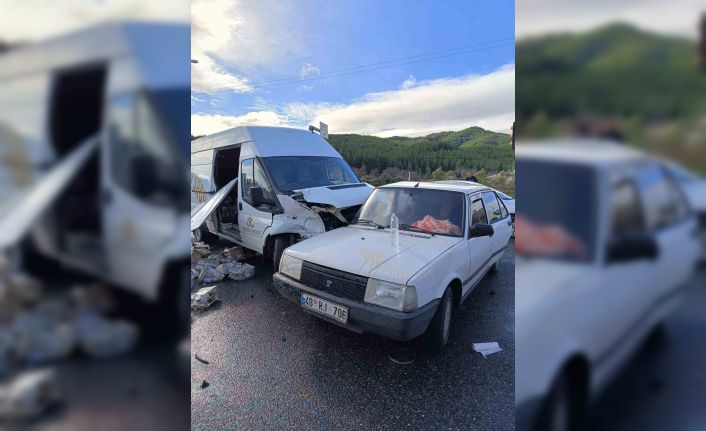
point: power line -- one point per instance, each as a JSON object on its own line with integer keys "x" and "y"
{"x": 434, "y": 55}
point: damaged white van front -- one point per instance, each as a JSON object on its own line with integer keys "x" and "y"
{"x": 266, "y": 188}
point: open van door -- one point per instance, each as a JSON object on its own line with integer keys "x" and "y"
{"x": 201, "y": 213}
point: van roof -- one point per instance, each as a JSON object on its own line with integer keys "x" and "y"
{"x": 143, "y": 41}
{"x": 269, "y": 141}
{"x": 455, "y": 186}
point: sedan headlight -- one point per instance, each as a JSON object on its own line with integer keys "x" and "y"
{"x": 290, "y": 266}
{"x": 391, "y": 295}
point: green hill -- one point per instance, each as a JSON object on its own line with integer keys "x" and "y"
{"x": 616, "y": 70}
{"x": 469, "y": 149}
{"x": 445, "y": 155}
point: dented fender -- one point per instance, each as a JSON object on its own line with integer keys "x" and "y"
{"x": 297, "y": 218}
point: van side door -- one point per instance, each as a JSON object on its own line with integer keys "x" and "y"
{"x": 254, "y": 215}
{"x": 480, "y": 248}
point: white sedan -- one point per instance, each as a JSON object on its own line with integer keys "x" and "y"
{"x": 604, "y": 248}
{"x": 415, "y": 253}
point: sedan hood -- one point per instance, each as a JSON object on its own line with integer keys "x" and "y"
{"x": 371, "y": 252}
{"x": 342, "y": 196}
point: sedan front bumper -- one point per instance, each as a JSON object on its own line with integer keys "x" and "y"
{"x": 363, "y": 317}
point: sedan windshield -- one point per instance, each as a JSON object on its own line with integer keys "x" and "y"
{"x": 433, "y": 211}
{"x": 556, "y": 216}
{"x": 303, "y": 172}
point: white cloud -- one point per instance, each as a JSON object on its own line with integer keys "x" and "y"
{"x": 535, "y": 17}
{"x": 308, "y": 70}
{"x": 209, "y": 77}
{"x": 33, "y": 20}
{"x": 205, "y": 124}
{"x": 245, "y": 34}
{"x": 409, "y": 82}
{"x": 487, "y": 101}
{"x": 431, "y": 106}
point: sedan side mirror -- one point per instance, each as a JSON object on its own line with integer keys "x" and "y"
{"x": 481, "y": 229}
{"x": 632, "y": 247}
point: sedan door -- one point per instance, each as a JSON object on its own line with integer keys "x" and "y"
{"x": 481, "y": 247}
{"x": 499, "y": 218}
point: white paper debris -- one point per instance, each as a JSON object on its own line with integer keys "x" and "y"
{"x": 101, "y": 337}
{"x": 28, "y": 395}
{"x": 487, "y": 349}
{"x": 204, "y": 298}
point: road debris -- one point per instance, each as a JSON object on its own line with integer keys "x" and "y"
{"x": 205, "y": 384}
{"x": 204, "y": 298}
{"x": 101, "y": 337}
{"x": 238, "y": 253}
{"x": 28, "y": 395}
{"x": 200, "y": 359}
{"x": 487, "y": 349}
{"x": 235, "y": 270}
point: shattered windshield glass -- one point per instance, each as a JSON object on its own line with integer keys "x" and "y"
{"x": 303, "y": 172}
{"x": 434, "y": 211}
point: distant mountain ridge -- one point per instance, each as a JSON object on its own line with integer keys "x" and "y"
{"x": 617, "y": 70}
{"x": 473, "y": 148}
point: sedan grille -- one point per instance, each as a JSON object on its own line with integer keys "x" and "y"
{"x": 337, "y": 283}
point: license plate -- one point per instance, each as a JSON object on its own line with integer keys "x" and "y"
{"x": 334, "y": 311}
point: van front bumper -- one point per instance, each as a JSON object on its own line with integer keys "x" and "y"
{"x": 363, "y": 317}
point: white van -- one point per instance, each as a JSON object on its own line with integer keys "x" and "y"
{"x": 266, "y": 188}
{"x": 113, "y": 96}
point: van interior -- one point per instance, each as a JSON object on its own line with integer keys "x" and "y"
{"x": 226, "y": 167}
{"x": 76, "y": 113}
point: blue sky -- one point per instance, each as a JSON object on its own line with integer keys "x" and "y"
{"x": 242, "y": 43}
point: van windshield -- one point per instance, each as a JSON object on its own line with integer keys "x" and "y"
{"x": 303, "y": 172}
{"x": 434, "y": 211}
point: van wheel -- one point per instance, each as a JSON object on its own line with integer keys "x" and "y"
{"x": 203, "y": 235}
{"x": 281, "y": 243}
{"x": 437, "y": 335}
{"x": 561, "y": 410}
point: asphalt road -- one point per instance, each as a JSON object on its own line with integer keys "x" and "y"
{"x": 664, "y": 386}
{"x": 272, "y": 366}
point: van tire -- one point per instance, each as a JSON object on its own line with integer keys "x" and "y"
{"x": 437, "y": 335}
{"x": 281, "y": 243}
{"x": 202, "y": 234}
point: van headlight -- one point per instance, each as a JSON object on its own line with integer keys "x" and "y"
{"x": 391, "y": 295}
{"x": 290, "y": 266}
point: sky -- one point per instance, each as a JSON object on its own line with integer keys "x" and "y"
{"x": 438, "y": 65}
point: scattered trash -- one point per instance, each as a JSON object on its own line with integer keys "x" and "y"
{"x": 24, "y": 289}
{"x": 235, "y": 270}
{"x": 284, "y": 339}
{"x": 101, "y": 337}
{"x": 205, "y": 384}
{"x": 487, "y": 349}
{"x": 200, "y": 359}
{"x": 204, "y": 298}
{"x": 29, "y": 395}
{"x": 210, "y": 274}
{"x": 403, "y": 356}
{"x": 237, "y": 253}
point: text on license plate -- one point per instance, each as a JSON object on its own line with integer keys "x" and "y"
{"x": 335, "y": 311}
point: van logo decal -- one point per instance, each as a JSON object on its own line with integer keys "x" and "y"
{"x": 250, "y": 223}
